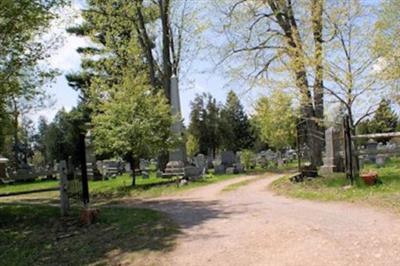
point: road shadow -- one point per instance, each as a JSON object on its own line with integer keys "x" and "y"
{"x": 186, "y": 212}
{"x": 38, "y": 232}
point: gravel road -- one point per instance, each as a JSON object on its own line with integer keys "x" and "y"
{"x": 252, "y": 226}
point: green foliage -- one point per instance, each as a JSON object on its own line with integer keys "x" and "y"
{"x": 276, "y": 120}
{"x": 192, "y": 145}
{"x": 247, "y": 158}
{"x": 384, "y": 120}
{"x": 132, "y": 122}
{"x": 387, "y": 42}
{"x": 22, "y": 24}
{"x": 204, "y": 123}
{"x": 235, "y": 126}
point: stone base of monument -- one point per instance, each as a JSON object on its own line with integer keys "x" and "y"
{"x": 327, "y": 169}
{"x": 182, "y": 171}
{"x": 174, "y": 169}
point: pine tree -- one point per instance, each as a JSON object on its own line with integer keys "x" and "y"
{"x": 205, "y": 123}
{"x": 235, "y": 126}
{"x": 384, "y": 120}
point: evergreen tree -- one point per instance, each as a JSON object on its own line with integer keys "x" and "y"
{"x": 235, "y": 126}
{"x": 204, "y": 123}
{"x": 385, "y": 119}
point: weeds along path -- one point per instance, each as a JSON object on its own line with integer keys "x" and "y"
{"x": 252, "y": 226}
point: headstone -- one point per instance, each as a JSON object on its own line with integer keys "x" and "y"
{"x": 380, "y": 159}
{"x": 332, "y": 159}
{"x": 228, "y": 158}
{"x": 231, "y": 170}
{"x": 200, "y": 162}
{"x": 219, "y": 169}
{"x": 371, "y": 148}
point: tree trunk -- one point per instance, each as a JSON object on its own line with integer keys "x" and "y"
{"x": 286, "y": 20}
{"x": 133, "y": 164}
{"x": 164, "y": 6}
{"x": 317, "y": 22}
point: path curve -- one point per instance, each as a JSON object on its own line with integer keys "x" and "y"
{"x": 252, "y": 226}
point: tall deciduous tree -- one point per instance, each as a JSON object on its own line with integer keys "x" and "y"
{"x": 283, "y": 37}
{"x": 351, "y": 76}
{"x": 22, "y": 26}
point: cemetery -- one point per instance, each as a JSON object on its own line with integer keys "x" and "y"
{"x": 180, "y": 132}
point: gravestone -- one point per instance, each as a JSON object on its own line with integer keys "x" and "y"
{"x": 380, "y": 159}
{"x": 332, "y": 159}
{"x": 371, "y": 148}
{"x": 228, "y": 158}
{"x": 200, "y": 162}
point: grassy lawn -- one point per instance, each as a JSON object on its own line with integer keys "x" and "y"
{"x": 333, "y": 188}
{"x": 121, "y": 186}
{"x": 35, "y": 235}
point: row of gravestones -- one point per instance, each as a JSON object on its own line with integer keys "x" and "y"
{"x": 377, "y": 152}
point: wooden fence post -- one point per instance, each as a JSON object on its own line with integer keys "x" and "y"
{"x": 64, "y": 201}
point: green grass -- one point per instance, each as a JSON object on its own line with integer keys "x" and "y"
{"x": 333, "y": 187}
{"x": 35, "y": 235}
{"x": 121, "y": 186}
{"x": 237, "y": 185}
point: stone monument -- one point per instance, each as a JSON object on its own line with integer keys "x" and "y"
{"x": 177, "y": 164}
{"x": 332, "y": 159}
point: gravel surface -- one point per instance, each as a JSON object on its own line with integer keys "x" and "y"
{"x": 252, "y": 226}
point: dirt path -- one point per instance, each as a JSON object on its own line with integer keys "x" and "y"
{"x": 252, "y": 226}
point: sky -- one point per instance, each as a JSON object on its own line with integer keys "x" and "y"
{"x": 201, "y": 77}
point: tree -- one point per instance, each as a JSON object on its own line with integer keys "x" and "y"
{"x": 192, "y": 145}
{"x": 351, "y": 78}
{"x": 387, "y": 43}
{"x": 22, "y": 26}
{"x": 115, "y": 25}
{"x": 276, "y": 120}
{"x": 205, "y": 123}
{"x": 384, "y": 120}
{"x": 132, "y": 123}
{"x": 283, "y": 37}
{"x": 235, "y": 126}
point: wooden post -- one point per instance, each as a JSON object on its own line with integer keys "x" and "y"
{"x": 85, "y": 184}
{"x": 348, "y": 149}
{"x": 64, "y": 201}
